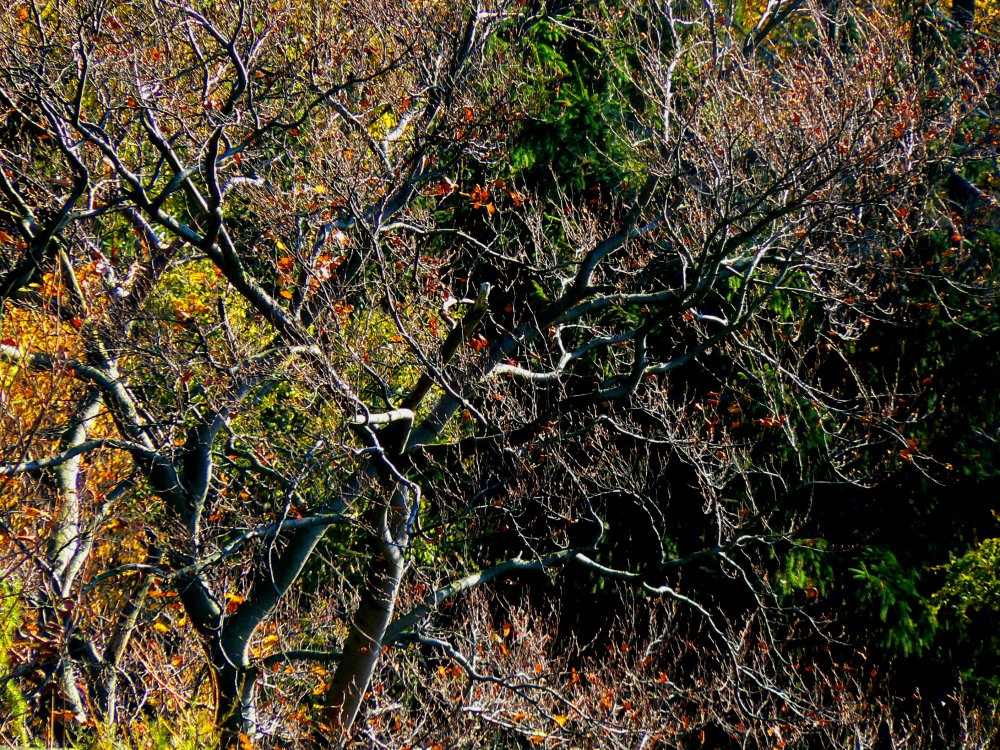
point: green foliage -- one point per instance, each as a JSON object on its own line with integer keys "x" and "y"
{"x": 968, "y": 604}
{"x": 186, "y": 730}
{"x": 890, "y": 588}
{"x": 12, "y": 703}
{"x": 574, "y": 98}
{"x": 972, "y": 581}
{"x": 807, "y": 567}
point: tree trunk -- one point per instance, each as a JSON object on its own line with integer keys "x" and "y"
{"x": 378, "y": 600}
{"x": 236, "y": 703}
{"x": 107, "y": 690}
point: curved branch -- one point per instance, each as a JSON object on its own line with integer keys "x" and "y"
{"x": 514, "y": 566}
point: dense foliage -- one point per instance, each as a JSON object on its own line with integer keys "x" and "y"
{"x": 492, "y": 375}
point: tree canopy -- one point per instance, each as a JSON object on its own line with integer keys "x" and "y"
{"x": 489, "y": 374}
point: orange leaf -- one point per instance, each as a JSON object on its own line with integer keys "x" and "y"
{"x": 479, "y": 195}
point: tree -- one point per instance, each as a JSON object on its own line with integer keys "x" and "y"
{"x": 297, "y": 364}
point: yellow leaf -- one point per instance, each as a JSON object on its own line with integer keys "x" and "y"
{"x": 560, "y": 720}
{"x": 279, "y": 244}
{"x": 320, "y": 189}
{"x": 265, "y": 647}
{"x": 161, "y": 628}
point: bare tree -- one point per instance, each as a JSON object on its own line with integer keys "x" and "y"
{"x": 262, "y": 334}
